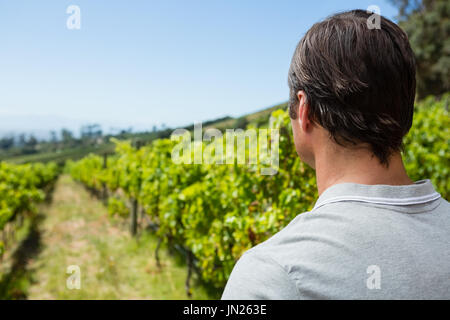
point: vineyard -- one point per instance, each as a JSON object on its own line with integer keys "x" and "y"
{"x": 214, "y": 212}
{"x": 209, "y": 212}
{"x": 22, "y": 187}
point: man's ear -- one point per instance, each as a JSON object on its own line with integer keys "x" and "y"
{"x": 303, "y": 111}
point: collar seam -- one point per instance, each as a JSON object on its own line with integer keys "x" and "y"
{"x": 381, "y": 200}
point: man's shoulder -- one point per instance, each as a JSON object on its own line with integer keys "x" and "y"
{"x": 309, "y": 235}
{"x": 305, "y": 228}
{"x": 347, "y": 234}
{"x": 277, "y": 262}
{"x": 339, "y": 242}
{"x": 285, "y": 235}
{"x": 257, "y": 275}
{"x": 321, "y": 237}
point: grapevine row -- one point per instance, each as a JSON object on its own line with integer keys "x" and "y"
{"x": 22, "y": 187}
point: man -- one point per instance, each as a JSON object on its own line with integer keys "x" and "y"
{"x": 373, "y": 233}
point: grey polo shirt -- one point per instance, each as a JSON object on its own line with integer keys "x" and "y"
{"x": 358, "y": 242}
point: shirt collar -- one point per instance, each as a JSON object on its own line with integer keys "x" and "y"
{"x": 420, "y": 192}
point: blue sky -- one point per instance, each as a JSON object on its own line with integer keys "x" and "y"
{"x": 141, "y": 63}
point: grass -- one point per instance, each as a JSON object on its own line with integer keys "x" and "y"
{"x": 74, "y": 229}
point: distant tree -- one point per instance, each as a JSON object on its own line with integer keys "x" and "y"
{"x": 22, "y": 140}
{"x": 31, "y": 141}
{"x": 126, "y": 131}
{"x": 241, "y": 122}
{"x": 66, "y": 136}
{"x": 7, "y": 142}
{"x": 53, "y": 137}
{"x": 427, "y": 24}
{"x": 91, "y": 131}
{"x": 407, "y": 7}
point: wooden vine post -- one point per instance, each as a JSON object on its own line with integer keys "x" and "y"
{"x": 190, "y": 264}
{"x": 134, "y": 215}
{"x": 135, "y": 205}
{"x": 105, "y": 191}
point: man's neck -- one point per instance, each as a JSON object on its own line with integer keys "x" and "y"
{"x": 358, "y": 167}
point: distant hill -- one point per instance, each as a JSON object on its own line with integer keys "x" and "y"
{"x": 105, "y": 146}
{"x": 258, "y": 118}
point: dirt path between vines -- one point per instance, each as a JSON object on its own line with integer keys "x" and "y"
{"x": 75, "y": 230}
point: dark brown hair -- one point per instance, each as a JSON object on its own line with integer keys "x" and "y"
{"x": 359, "y": 82}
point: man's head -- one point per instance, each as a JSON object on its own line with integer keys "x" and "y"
{"x": 352, "y": 84}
